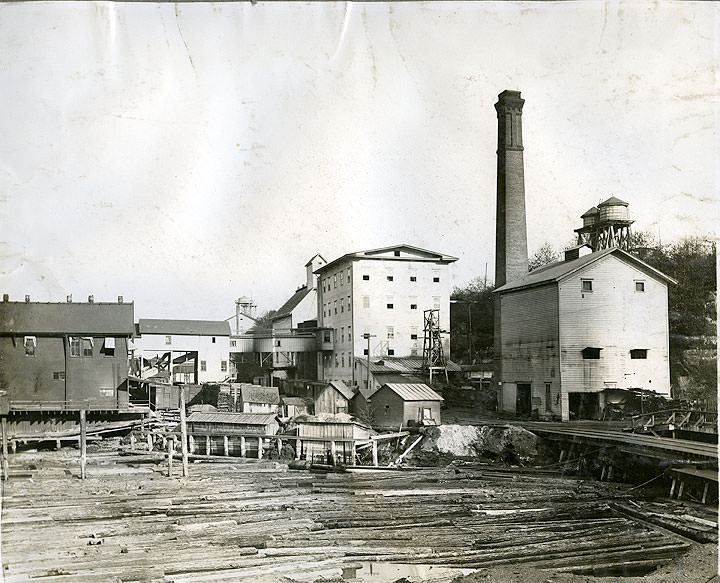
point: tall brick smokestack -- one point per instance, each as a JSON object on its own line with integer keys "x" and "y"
{"x": 511, "y": 259}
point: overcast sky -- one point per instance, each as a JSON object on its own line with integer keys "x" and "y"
{"x": 183, "y": 155}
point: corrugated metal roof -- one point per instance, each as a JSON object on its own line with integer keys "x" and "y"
{"x": 184, "y": 327}
{"x": 557, "y": 271}
{"x": 260, "y": 394}
{"x": 423, "y": 254}
{"x": 237, "y": 418}
{"x": 342, "y": 388}
{"x": 96, "y": 319}
{"x": 403, "y": 365}
{"x": 413, "y": 392}
{"x": 287, "y": 308}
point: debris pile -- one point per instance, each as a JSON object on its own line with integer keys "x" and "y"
{"x": 446, "y": 443}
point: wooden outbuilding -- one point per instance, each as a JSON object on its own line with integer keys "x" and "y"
{"x": 399, "y": 405}
{"x": 334, "y": 398}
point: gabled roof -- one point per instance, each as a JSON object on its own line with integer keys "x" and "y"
{"x": 412, "y": 392}
{"x": 91, "y": 319}
{"x": 342, "y": 388}
{"x": 591, "y": 212}
{"x": 417, "y": 253}
{"x": 184, "y": 327}
{"x": 555, "y": 272}
{"x": 237, "y": 418}
{"x": 296, "y": 401}
{"x": 287, "y": 308}
{"x": 259, "y": 394}
{"x": 313, "y": 259}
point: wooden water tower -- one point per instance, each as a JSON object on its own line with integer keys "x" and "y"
{"x": 606, "y": 226}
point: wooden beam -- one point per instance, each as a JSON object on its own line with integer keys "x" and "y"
{"x": 83, "y": 443}
{"x": 183, "y": 432}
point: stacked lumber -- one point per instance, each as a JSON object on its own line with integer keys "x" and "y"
{"x": 246, "y": 520}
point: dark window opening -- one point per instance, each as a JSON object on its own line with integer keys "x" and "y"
{"x": 548, "y": 397}
{"x": 277, "y": 343}
{"x": 365, "y": 352}
{"x": 436, "y": 279}
{"x": 203, "y": 365}
{"x": 213, "y": 339}
{"x": 389, "y": 306}
{"x": 366, "y": 278}
{"x": 108, "y": 348}
{"x": 587, "y": 285}
{"x": 397, "y": 253}
{"x": 413, "y": 278}
{"x": 638, "y": 353}
{"x": 389, "y": 277}
{"x": 59, "y": 376}
{"x": 639, "y": 286}
{"x": 413, "y": 306}
{"x": 30, "y": 343}
{"x": 413, "y": 336}
{"x": 391, "y": 351}
{"x": 590, "y": 353}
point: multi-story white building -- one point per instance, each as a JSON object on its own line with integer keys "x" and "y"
{"x": 196, "y": 350}
{"x": 383, "y": 293}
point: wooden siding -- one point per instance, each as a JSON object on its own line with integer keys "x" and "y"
{"x": 617, "y": 319}
{"x": 530, "y": 350}
{"x": 390, "y": 410}
{"x": 331, "y": 401}
{"x": 92, "y": 382}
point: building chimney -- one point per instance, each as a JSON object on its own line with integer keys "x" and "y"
{"x": 69, "y": 299}
{"x": 27, "y": 299}
{"x": 511, "y": 261}
{"x": 120, "y": 299}
{"x": 91, "y": 299}
{"x": 6, "y": 298}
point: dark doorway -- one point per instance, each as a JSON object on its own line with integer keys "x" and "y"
{"x": 584, "y": 405}
{"x": 523, "y": 403}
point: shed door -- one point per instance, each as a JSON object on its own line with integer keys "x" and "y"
{"x": 523, "y": 403}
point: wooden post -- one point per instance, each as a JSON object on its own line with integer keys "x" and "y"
{"x": 562, "y": 456}
{"x": 192, "y": 444}
{"x": 353, "y": 453}
{"x": 672, "y": 487}
{"x": 150, "y": 441}
{"x": 132, "y": 440}
{"x": 83, "y": 443}
{"x": 279, "y": 445}
{"x": 705, "y": 492}
{"x": 13, "y": 445}
{"x": 611, "y": 473}
{"x": 680, "y": 490}
{"x": 57, "y": 444}
{"x": 375, "y": 452}
{"x": 242, "y": 446}
{"x": 226, "y": 445}
{"x": 207, "y": 445}
{"x": 183, "y": 432}
{"x": 171, "y": 451}
{"x": 5, "y": 464}
{"x": 298, "y": 448}
{"x": 260, "y": 447}
{"x": 602, "y": 475}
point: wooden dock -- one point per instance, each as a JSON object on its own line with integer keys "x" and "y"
{"x": 235, "y": 519}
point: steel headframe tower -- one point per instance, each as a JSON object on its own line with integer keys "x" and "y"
{"x": 433, "y": 355}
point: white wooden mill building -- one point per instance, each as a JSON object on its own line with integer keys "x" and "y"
{"x": 567, "y": 332}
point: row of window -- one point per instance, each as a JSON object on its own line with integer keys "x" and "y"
{"x": 78, "y": 346}
{"x": 591, "y": 353}
{"x": 413, "y": 278}
{"x": 332, "y": 307}
{"x": 168, "y": 340}
{"x": 587, "y": 286}
{"x": 331, "y": 282}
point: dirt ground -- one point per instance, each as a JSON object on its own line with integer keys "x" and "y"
{"x": 699, "y": 565}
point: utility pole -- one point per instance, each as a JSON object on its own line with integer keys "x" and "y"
{"x": 367, "y": 337}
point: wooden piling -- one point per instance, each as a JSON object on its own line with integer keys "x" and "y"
{"x": 183, "y": 433}
{"x": 353, "y": 454}
{"x": 298, "y": 449}
{"x": 83, "y": 442}
{"x": 260, "y": 448}
{"x": 226, "y": 445}
{"x": 243, "y": 449}
{"x": 171, "y": 451}
{"x": 150, "y": 441}
{"x": 375, "y": 452}
{"x": 207, "y": 445}
{"x": 5, "y": 464}
{"x": 132, "y": 440}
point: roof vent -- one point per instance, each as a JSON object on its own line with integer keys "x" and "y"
{"x": 69, "y": 299}
{"x": 27, "y": 299}
{"x": 91, "y": 299}
{"x": 120, "y": 299}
